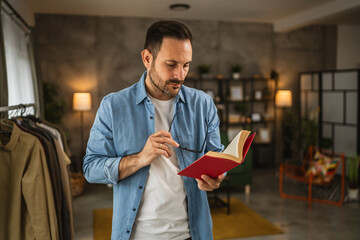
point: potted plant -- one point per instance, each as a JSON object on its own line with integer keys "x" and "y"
{"x": 54, "y": 107}
{"x": 204, "y": 70}
{"x": 309, "y": 129}
{"x": 353, "y": 166}
{"x": 274, "y": 75}
{"x": 235, "y": 71}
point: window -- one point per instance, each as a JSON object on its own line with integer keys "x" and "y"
{"x": 20, "y": 80}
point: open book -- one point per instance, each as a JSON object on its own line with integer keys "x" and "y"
{"x": 214, "y": 163}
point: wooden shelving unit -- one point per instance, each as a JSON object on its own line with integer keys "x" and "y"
{"x": 260, "y": 110}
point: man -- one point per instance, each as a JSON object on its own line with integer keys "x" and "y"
{"x": 143, "y": 135}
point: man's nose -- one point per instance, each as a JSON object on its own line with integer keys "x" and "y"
{"x": 180, "y": 73}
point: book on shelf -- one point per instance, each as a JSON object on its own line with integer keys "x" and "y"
{"x": 214, "y": 163}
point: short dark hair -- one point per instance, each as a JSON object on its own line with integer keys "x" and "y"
{"x": 158, "y": 30}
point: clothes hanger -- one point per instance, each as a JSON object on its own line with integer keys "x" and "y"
{"x": 33, "y": 118}
{"x": 3, "y": 122}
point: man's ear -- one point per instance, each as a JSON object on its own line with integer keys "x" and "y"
{"x": 147, "y": 58}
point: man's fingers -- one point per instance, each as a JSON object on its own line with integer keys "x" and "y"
{"x": 165, "y": 148}
{"x": 162, "y": 133}
{"x": 163, "y": 152}
{"x": 202, "y": 185}
{"x": 221, "y": 177}
{"x": 209, "y": 183}
{"x": 163, "y": 140}
{"x": 163, "y": 136}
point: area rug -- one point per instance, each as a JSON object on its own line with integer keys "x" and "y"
{"x": 242, "y": 222}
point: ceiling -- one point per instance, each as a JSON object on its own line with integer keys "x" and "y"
{"x": 284, "y": 14}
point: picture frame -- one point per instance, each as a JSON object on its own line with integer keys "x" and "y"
{"x": 258, "y": 95}
{"x": 236, "y": 93}
{"x": 264, "y": 135}
{"x": 256, "y": 117}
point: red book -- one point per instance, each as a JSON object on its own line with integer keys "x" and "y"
{"x": 213, "y": 163}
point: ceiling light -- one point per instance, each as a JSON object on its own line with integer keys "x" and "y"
{"x": 179, "y": 7}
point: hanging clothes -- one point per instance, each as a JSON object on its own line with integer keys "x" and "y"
{"x": 61, "y": 204}
{"x": 64, "y": 171}
{"x": 54, "y": 132}
{"x": 53, "y": 166}
{"x": 27, "y": 199}
{"x": 60, "y": 223}
{"x": 66, "y": 185}
{"x": 63, "y": 136}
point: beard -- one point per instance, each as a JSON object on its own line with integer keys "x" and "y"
{"x": 164, "y": 86}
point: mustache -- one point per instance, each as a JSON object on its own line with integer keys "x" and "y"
{"x": 176, "y": 81}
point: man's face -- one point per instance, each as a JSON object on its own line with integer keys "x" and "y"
{"x": 168, "y": 71}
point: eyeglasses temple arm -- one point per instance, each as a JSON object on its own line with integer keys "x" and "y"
{"x": 173, "y": 119}
{"x": 190, "y": 150}
{"x": 207, "y": 128}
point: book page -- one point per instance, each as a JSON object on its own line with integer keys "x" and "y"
{"x": 232, "y": 148}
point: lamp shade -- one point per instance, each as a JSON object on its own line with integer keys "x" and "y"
{"x": 283, "y": 98}
{"x": 82, "y": 101}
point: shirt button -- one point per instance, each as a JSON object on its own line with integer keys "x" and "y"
{"x": 140, "y": 187}
{"x": 134, "y": 209}
{"x": 151, "y": 117}
{"x": 127, "y": 231}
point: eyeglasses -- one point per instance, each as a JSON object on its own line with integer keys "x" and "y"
{"x": 188, "y": 149}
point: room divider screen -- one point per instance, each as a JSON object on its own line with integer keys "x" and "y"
{"x": 333, "y": 99}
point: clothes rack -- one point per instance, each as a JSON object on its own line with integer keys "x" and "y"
{"x": 9, "y": 9}
{"x": 16, "y": 107}
{"x": 5, "y": 111}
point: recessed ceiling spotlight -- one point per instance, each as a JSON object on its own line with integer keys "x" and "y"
{"x": 179, "y": 7}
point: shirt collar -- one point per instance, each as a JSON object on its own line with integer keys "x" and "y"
{"x": 141, "y": 91}
{"x": 15, "y": 134}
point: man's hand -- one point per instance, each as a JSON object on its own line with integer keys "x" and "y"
{"x": 155, "y": 146}
{"x": 208, "y": 184}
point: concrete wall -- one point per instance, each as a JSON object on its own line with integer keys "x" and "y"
{"x": 307, "y": 49}
{"x": 23, "y": 7}
{"x": 348, "y": 50}
{"x": 102, "y": 54}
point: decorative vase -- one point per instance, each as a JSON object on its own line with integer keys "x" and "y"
{"x": 353, "y": 193}
{"x": 235, "y": 75}
{"x": 242, "y": 118}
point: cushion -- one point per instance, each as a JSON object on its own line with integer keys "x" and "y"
{"x": 323, "y": 167}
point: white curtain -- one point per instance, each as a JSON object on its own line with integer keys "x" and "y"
{"x": 19, "y": 74}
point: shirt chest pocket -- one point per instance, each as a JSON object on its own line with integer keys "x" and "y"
{"x": 129, "y": 140}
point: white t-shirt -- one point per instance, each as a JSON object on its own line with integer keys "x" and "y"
{"x": 163, "y": 211}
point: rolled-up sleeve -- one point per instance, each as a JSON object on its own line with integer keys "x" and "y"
{"x": 101, "y": 163}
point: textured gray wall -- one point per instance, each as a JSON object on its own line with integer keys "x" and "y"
{"x": 102, "y": 54}
{"x": 307, "y": 49}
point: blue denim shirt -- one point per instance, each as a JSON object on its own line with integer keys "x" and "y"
{"x": 123, "y": 123}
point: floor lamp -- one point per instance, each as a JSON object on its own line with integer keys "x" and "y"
{"x": 283, "y": 99}
{"x": 81, "y": 103}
